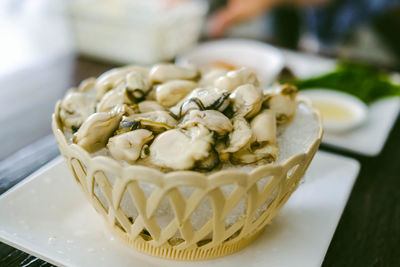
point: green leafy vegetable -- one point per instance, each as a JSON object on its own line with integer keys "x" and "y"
{"x": 364, "y": 82}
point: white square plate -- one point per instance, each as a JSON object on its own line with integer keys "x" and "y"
{"x": 369, "y": 138}
{"x": 48, "y": 216}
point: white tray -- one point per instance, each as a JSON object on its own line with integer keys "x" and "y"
{"x": 47, "y": 216}
{"x": 369, "y": 138}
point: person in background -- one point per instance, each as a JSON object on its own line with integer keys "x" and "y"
{"x": 330, "y": 22}
{"x": 239, "y": 10}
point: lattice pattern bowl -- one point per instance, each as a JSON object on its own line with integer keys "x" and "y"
{"x": 233, "y": 205}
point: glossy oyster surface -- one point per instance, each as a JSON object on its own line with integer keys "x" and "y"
{"x": 246, "y": 100}
{"x": 171, "y": 92}
{"x": 211, "y": 119}
{"x": 149, "y": 106}
{"x": 210, "y": 98}
{"x": 240, "y": 135}
{"x": 262, "y": 144}
{"x": 161, "y": 73}
{"x": 156, "y": 120}
{"x": 233, "y": 79}
{"x": 114, "y": 77}
{"x": 209, "y": 76}
{"x": 128, "y": 146}
{"x": 282, "y": 100}
{"x": 76, "y": 107}
{"x": 97, "y": 129}
{"x": 180, "y": 150}
{"x": 179, "y": 118}
{"x": 112, "y": 98}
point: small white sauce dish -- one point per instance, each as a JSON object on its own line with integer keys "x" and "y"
{"x": 340, "y": 112}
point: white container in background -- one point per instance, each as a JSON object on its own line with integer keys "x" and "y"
{"x": 134, "y": 31}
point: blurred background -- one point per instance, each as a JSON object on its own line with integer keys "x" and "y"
{"x": 48, "y": 46}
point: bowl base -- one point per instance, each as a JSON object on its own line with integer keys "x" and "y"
{"x": 187, "y": 254}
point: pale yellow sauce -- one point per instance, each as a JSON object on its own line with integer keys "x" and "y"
{"x": 333, "y": 111}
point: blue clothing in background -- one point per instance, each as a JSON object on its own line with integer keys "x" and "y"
{"x": 335, "y": 20}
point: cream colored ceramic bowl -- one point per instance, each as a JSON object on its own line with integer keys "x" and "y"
{"x": 187, "y": 215}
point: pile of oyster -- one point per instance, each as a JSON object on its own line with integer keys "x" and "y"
{"x": 178, "y": 117}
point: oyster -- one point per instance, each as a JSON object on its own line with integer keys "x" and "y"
{"x": 235, "y": 78}
{"x": 95, "y": 131}
{"x": 180, "y": 150}
{"x": 220, "y": 147}
{"x": 165, "y": 72}
{"x": 173, "y": 118}
{"x": 151, "y": 94}
{"x": 136, "y": 85}
{"x": 246, "y": 100}
{"x": 115, "y": 77}
{"x": 240, "y": 136}
{"x": 149, "y": 106}
{"x": 282, "y": 101}
{"x": 76, "y": 107}
{"x": 112, "y": 98}
{"x": 264, "y": 127}
{"x": 171, "y": 92}
{"x": 157, "y": 121}
{"x": 209, "y": 76}
{"x": 208, "y": 163}
{"x": 202, "y": 99}
{"x": 87, "y": 85}
{"x": 128, "y": 146}
{"x": 262, "y": 145}
{"x": 127, "y": 126}
{"x": 131, "y": 92}
{"x": 135, "y": 80}
{"x": 211, "y": 119}
{"x": 248, "y": 155}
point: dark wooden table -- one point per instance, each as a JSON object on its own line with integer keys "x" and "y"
{"x": 368, "y": 233}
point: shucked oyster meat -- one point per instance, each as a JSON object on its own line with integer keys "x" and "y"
{"x": 180, "y": 150}
{"x": 114, "y": 77}
{"x": 178, "y": 118}
{"x": 76, "y": 107}
{"x": 112, "y": 98}
{"x": 202, "y": 99}
{"x": 211, "y": 119}
{"x": 210, "y": 75}
{"x": 171, "y": 92}
{"x": 282, "y": 100}
{"x": 95, "y": 131}
{"x": 240, "y": 136}
{"x": 149, "y": 106}
{"x": 262, "y": 144}
{"x": 246, "y": 100}
{"x": 165, "y": 72}
{"x": 157, "y": 121}
{"x": 263, "y": 127}
{"x": 233, "y": 79}
{"x": 128, "y": 146}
